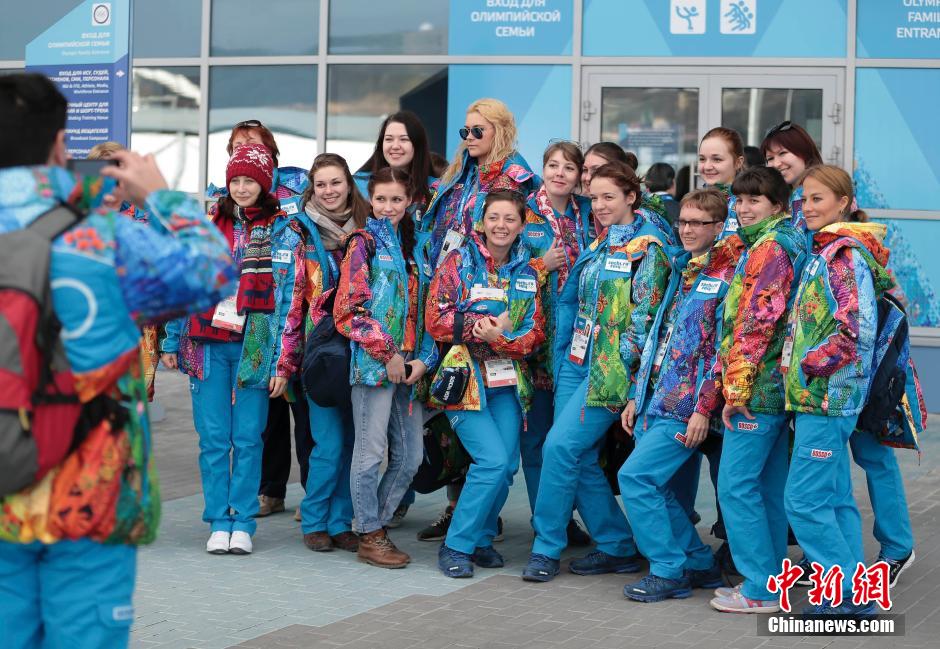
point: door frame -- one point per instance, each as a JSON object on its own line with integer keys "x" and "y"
{"x": 710, "y": 80}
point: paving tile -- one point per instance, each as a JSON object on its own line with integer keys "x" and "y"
{"x": 284, "y": 596}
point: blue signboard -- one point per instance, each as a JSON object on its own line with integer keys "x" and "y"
{"x": 510, "y": 27}
{"x": 898, "y": 29}
{"x": 772, "y": 28}
{"x": 86, "y": 53}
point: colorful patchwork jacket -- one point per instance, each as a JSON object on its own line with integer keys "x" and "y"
{"x": 618, "y": 284}
{"x": 379, "y": 303}
{"x": 272, "y": 343}
{"x": 456, "y": 288}
{"x": 112, "y": 275}
{"x": 322, "y": 272}
{"x": 543, "y": 227}
{"x": 834, "y": 320}
{"x": 796, "y": 209}
{"x": 682, "y": 338}
{"x": 458, "y": 204}
{"x": 653, "y": 208}
{"x": 731, "y": 222}
{"x": 760, "y": 297}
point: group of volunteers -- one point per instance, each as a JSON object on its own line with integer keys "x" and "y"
{"x": 541, "y": 313}
{"x": 551, "y": 317}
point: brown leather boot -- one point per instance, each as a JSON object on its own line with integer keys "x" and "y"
{"x": 375, "y": 548}
{"x": 318, "y": 541}
{"x": 346, "y": 541}
{"x": 268, "y": 505}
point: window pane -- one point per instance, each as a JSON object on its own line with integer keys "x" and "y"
{"x": 752, "y": 111}
{"x": 165, "y": 28}
{"x": 389, "y": 27}
{"x": 165, "y": 122}
{"x": 361, "y": 96}
{"x": 21, "y": 22}
{"x": 253, "y": 28}
{"x": 657, "y": 124}
{"x": 282, "y": 97}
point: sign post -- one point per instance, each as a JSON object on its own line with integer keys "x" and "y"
{"x": 87, "y": 54}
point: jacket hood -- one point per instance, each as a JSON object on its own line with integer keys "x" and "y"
{"x": 724, "y": 188}
{"x": 621, "y": 234}
{"x": 653, "y": 203}
{"x": 294, "y": 178}
{"x": 679, "y": 258}
{"x": 751, "y": 233}
{"x": 870, "y": 235}
{"x": 583, "y": 204}
{"x": 518, "y": 253}
{"x": 513, "y": 165}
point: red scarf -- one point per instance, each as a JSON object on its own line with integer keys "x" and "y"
{"x": 256, "y": 282}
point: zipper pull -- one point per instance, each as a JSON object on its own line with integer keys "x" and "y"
{"x": 24, "y": 419}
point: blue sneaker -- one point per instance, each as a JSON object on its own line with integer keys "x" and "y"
{"x": 599, "y": 562}
{"x": 845, "y": 608}
{"x": 540, "y": 568}
{"x": 804, "y": 565}
{"x": 655, "y": 589}
{"x": 708, "y": 578}
{"x": 454, "y": 563}
{"x": 487, "y": 557}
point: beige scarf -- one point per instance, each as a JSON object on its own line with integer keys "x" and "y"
{"x": 333, "y": 226}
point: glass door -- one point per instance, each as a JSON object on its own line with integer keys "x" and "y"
{"x": 661, "y": 113}
{"x": 752, "y": 103}
{"x": 658, "y": 117}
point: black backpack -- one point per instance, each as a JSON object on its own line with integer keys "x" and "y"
{"x": 889, "y": 376}
{"x": 327, "y": 356}
{"x": 325, "y": 369}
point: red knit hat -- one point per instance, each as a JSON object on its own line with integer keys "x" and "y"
{"x": 254, "y": 161}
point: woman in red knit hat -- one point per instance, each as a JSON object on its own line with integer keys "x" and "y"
{"x": 245, "y": 349}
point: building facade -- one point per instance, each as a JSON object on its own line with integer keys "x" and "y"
{"x": 863, "y": 76}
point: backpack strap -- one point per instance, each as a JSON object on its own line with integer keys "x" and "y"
{"x": 53, "y": 222}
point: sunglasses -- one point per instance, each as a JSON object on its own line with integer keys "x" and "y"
{"x": 249, "y": 123}
{"x": 476, "y": 131}
{"x": 779, "y": 128}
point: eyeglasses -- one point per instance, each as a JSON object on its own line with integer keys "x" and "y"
{"x": 476, "y": 131}
{"x": 779, "y": 128}
{"x": 695, "y": 225}
{"x": 249, "y": 123}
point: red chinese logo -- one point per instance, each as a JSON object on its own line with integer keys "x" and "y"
{"x": 826, "y": 586}
{"x": 869, "y": 584}
{"x": 872, "y": 584}
{"x": 783, "y": 582}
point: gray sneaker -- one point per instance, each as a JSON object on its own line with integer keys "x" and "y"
{"x": 397, "y": 517}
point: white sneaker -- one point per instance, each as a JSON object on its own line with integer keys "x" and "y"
{"x": 240, "y": 543}
{"x": 218, "y": 543}
{"x": 724, "y": 591}
{"x": 738, "y": 603}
